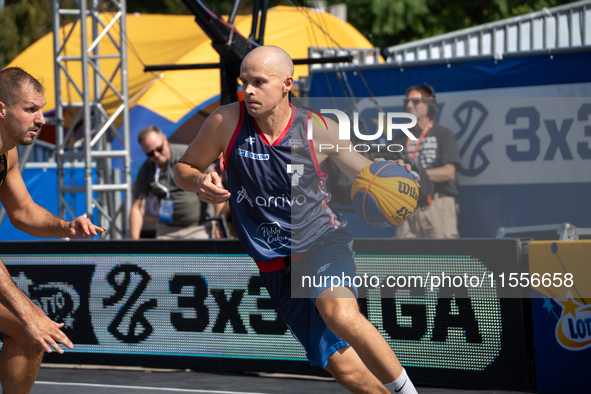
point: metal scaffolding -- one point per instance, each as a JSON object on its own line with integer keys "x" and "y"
{"x": 107, "y": 187}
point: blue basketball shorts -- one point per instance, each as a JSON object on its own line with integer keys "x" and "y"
{"x": 330, "y": 256}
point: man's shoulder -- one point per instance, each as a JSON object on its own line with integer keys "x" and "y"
{"x": 230, "y": 108}
{"x": 439, "y": 129}
{"x": 178, "y": 147}
{"x": 307, "y": 112}
{"x": 176, "y": 152}
{"x": 146, "y": 168}
{"x": 229, "y": 112}
{"x": 225, "y": 118}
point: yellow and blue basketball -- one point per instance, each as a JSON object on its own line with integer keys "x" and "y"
{"x": 384, "y": 194}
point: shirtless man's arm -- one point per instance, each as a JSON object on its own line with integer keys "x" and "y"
{"x": 33, "y": 219}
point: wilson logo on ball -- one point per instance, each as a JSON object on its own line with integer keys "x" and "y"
{"x": 406, "y": 189}
{"x": 384, "y": 194}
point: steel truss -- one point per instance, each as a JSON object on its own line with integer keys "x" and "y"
{"x": 107, "y": 190}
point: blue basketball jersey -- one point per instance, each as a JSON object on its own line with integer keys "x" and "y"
{"x": 280, "y": 195}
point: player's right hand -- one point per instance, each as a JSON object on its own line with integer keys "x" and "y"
{"x": 212, "y": 191}
{"x": 45, "y": 331}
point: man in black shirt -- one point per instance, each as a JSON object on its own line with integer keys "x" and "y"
{"x": 436, "y": 151}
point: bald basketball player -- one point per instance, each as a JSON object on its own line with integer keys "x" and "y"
{"x": 27, "y": 329}
{"x": 279, "y": 206}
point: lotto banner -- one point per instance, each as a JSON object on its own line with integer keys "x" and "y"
{"x": 202, "y": 305}
{"x": 562, "y": 319}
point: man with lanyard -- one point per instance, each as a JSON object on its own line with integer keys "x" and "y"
{"x": 27, "y": 329}
{"x": 279, "y": 204}
{"x": 181, "y": 214}
{"x": 435, "y": 150}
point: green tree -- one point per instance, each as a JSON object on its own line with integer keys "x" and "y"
{"x": 22, "y": 23}
{"x": 392, "y": 22}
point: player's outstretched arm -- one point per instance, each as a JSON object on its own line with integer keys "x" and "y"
{"x": 82, "y": 227}
{"x": 342, "y": 152}
{"x": 327, "y": 144}
{"x": 212, "y": 139}
{"x": 33, "y": 219}
{"x": 40, "y": 328}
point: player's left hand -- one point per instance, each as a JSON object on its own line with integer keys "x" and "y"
{"x": 82, "y": 227}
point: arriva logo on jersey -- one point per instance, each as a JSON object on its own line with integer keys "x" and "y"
{"x": 282, "y": 201}
{"x": 296, "y": 171}
{"x": 573, "y": 329}
{"x": 251, "y": 155}
{"x": 273, "y": 235}
{"x": 243, "y": 195}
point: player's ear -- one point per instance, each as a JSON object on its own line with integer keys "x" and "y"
{"x": 287, "y": 84}
{"x": 2, "y": 110}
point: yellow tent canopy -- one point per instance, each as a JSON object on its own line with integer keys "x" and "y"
{"x": 172, "y": 99}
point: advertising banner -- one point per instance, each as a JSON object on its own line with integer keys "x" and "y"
{"x": 514, "y": 148}
{"x": 522, "y": 125}
{"x": 163, "y": 305}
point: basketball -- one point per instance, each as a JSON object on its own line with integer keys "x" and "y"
{"x": 384, "y": 194}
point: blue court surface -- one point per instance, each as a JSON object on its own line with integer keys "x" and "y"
{"x": 68, "y": 379}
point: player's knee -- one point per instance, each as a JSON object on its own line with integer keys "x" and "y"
{"x": 34, "y": 349}
{"x": 348, "y": 376}
{"x": 340, "y": 315}
{"x": 348, "y": 380}
{"x": 27, "y": 346}
{"x": 342, "y": 318}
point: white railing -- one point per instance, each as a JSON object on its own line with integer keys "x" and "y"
{"x": 555, "y": 29}
{"x": 359, "y": 55}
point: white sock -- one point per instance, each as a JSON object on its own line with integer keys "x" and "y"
{"x": 402, "y": 385}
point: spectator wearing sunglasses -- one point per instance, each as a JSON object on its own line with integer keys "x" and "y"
{"x": 434, "y": 153}
{"x": 181, "y": 214}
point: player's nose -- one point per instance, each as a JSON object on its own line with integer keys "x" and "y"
{"x": 248, "y": 90}
{"x": 40, "y": 119}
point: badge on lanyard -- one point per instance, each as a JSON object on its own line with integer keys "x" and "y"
{"x": 166, "y": 205}
{"x": 166, "y": 209}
